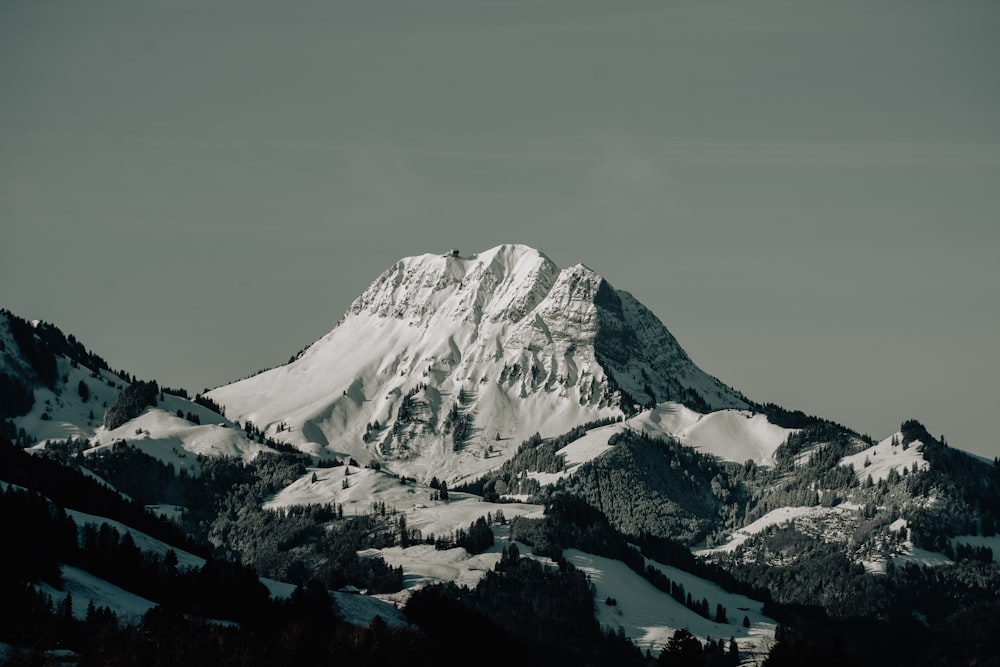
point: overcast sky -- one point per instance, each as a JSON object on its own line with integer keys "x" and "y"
{"x": 805, "y": 192}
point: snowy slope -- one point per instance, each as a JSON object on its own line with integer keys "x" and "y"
{"x": 649, "y": 616}
{"x": 63, "y": 415}
{"x": 424, "y": 564}
{"x": 142, "y": 540}
{"x": 887, "y": 456}
{"x": 87, "y": 588}
{"x": 732, "y": 435}
{"x": 593, "y": 444}
{"x": 366, "y": 487}
{"x": 504, "y": 337}
{"x": 75, "y": 408}
{"x": 160, "y": 433}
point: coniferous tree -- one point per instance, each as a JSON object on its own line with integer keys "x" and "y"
{"x": 682, "y": 650}
{"x": 720, "y": 614}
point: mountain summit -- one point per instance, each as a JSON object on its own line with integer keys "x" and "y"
{"x": 447, "y": 361}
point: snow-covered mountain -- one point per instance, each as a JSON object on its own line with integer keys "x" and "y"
{"x": 447, "y": 362}
{"x": 441, "y": 368}
{"x": 52, "y": 388}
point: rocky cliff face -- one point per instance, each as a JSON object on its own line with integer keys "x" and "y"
{"x": 447, "y": 362}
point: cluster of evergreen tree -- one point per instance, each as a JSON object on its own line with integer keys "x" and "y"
{"x": 559, "y": 602}
{"x": 223, "y": 508}
{"x": 206, "y": 402}
{"x": 837, "y": 441}
{"x": 40, "y": 343}
{"x": 256, "y": 434}
{"x": 304, "y": 629}
{"x": 38, "y": 346}
{"x": 309, "y": 542}
{"x": 50, "y": 538}
{"x": 533, "y": 455}
{"x": 130, "y": 403}
{"x": 183, "y": 393}
{"x": 440, "y": 489}
{"x": 798, "y": 569}
{"x": 969, "y": 486}
{"x": 16, "y": 397}
{"x": 684, "y": 650}
{"x": 476, "y": 539}
{"x": 962, "y": 551}
{"x": 68, "y": 487}
{"x": 14, "y": 433}
{"x": 143, "y": 477}
{"x": 460, "y": 419}
{"x": 655, "y": 485}
{"x": 411, "y": 409}
{"x": 569, "y": 522}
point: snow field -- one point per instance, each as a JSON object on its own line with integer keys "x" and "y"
{"x": 367, "y": 487}
{"x": 68, "y": 414}
{"x": 87, "y": 588}
{"x": 886, "y": 457}
{"x": 424, "y": 564}
{"x": 157, "y": 431}
{"x": 592, "y": 445}
{"x": 732, "y": 435}
{"x": 649, "y": 617}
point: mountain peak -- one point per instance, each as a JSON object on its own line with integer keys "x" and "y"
{"x": 447, "y": 360}
{"x": 501, "y": 283}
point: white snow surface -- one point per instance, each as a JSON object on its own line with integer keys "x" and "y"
{"x": 87, "y": 588}
{"x": 732, "y": 435}
{"x": 594, "y": 443}
{"x": 68, "y": 415}
{"x": 423, "y": 564}
{"x": 515, "y": 334}
{"x": 158, "y": 431}
{"x": 366, "y": 487}
{"x": 590, "y": 446}
{"x": 362, "y": 609}
{"x": 885, "y": 457}
{"x": 163, "y": 435}
{"x": 650, "y": 617}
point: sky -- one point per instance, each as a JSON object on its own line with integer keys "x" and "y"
{"x": 805, "y": 192}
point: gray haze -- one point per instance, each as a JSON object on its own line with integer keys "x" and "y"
{"x": 806, "y": 192}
